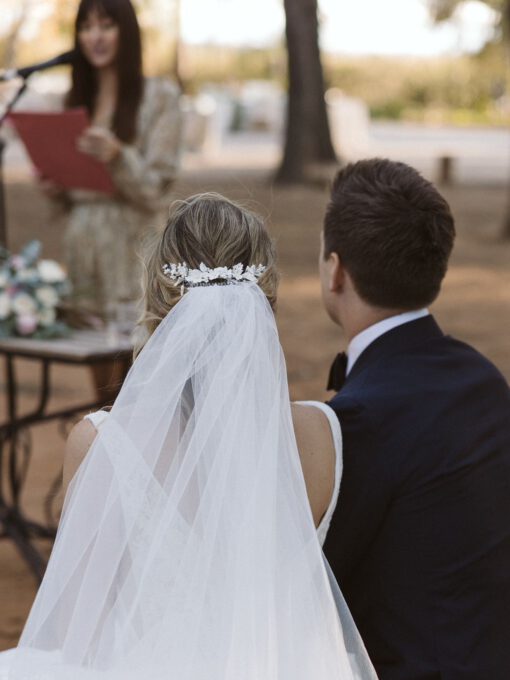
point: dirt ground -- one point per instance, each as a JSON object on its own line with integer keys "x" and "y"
{"x": 474, "y": 306}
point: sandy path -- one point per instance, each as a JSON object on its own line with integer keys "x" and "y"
{"x": 474, "y": 306}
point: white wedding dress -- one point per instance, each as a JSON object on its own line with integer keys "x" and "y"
{"x": 187, "y": 549}
{"x": 99, "y": 417}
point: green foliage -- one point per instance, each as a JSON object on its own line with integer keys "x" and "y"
{"x": 443, "y": 9}
{"x": 214, "y": 64}
{"x": 443, "y": 89}
{"x": 393, "y": 109}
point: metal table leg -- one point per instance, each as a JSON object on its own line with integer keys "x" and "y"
{"x": 15, "y": 457}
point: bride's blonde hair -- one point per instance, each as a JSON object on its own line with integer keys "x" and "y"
{"x": 206, "y": 228}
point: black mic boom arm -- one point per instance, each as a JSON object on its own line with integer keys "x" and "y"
{"x": 26, "y": 71}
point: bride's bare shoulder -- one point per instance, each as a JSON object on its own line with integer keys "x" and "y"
{"x": 78, "y": 443}
{"x": 317, "y": 453}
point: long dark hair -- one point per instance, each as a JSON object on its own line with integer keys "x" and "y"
{"x": 129, "y": 66}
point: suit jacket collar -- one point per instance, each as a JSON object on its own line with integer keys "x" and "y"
{"x": 397, "y": 340}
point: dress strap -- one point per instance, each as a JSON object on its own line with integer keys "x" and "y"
{"x": 96, "y": 418}
{"x": 336, "y": 433}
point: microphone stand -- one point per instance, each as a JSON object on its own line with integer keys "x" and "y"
{"x": 3, "y": 211}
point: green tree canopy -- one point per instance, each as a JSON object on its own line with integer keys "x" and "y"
{"x": 443, "y": 9}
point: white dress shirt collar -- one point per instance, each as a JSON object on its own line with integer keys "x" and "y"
{"x": 361, "y": 341}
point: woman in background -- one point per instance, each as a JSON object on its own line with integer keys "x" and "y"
{"x": 136, "y": 131}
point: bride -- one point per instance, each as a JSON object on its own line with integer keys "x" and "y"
{"x": 189, "y": 546}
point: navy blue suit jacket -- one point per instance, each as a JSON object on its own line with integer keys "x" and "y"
{"x": 420, "y": 540}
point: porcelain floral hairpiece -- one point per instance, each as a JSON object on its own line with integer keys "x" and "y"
{"x": 182, "y": 275}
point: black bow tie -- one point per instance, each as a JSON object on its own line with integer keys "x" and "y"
{"x": 337, "y": 372}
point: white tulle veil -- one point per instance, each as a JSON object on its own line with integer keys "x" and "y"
{"x": 187, "y": 548}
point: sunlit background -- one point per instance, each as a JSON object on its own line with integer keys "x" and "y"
{"x": 402, "y": 27}
{"x": 383, "y": 62}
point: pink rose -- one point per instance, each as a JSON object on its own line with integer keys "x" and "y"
{"x": 26, "y": 324}
{"x": 17, "y": 262}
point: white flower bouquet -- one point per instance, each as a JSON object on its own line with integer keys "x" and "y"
{"x": 30, "y": 292}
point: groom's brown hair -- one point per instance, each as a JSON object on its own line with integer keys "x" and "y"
{"x": 392, "y": 230}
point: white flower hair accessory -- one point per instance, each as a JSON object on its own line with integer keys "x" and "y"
{"x": 182, "y": 275}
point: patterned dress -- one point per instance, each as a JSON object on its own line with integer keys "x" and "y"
{"x": 103, "y": 234}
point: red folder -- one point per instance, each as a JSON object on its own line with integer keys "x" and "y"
{"x": 51, "y": 138}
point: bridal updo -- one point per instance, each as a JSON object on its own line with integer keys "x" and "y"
{"x": 206, "y": 228}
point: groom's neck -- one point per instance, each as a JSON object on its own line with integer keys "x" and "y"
{"x": 359, "y": 316}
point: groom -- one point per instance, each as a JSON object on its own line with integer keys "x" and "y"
{"x": 420, "y": 541}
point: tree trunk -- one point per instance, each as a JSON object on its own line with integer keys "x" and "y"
{"x": 178, "y": 47}
{"x": 506, "y": 224}
{"x": 506, "y": 38}
{"x": 308, "y": 139}
{"x": 505, "y": 232}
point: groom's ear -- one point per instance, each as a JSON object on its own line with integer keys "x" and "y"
{"x": 336, "y": 273}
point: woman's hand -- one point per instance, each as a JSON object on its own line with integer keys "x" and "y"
{"x": 99, "y": 143}
{"x": 50, "y": 188}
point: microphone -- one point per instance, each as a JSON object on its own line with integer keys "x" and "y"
{"x": 65, "y": 58}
